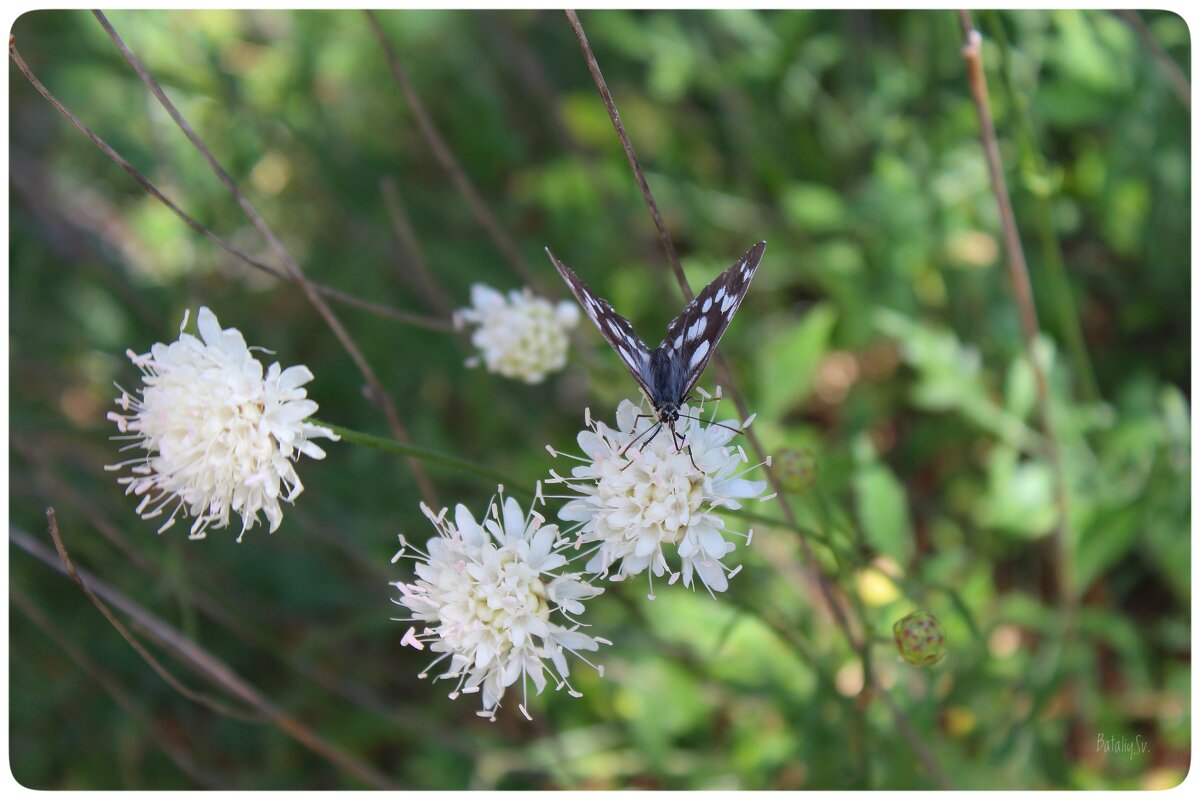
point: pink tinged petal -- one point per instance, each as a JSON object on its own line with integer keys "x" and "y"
{"x": 711, "y": 573}
{"x": 591, "y": 445}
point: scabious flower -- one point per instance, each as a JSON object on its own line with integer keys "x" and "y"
{"x": 492, "y": 598}
{"x": 638, "y": 494}
{"x": 522, "y": 336}
{"x": 218, "y": 435}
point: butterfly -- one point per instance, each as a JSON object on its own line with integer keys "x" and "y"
{"x": 668, "y": 373}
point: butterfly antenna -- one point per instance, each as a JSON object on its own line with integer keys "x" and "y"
{"x": 718, "y": 424}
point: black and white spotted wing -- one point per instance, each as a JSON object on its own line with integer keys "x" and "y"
{"x": 695, "y": 333}
{"x": 668, "y": 373}
{"x": 617, "y": 330}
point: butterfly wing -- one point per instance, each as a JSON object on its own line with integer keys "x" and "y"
{"x": 692, "y": 337}
{"x": 617, "y": 330}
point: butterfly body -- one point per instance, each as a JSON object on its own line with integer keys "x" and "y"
{"x": 668, "y": 373}
{"x": 667, "y": 377}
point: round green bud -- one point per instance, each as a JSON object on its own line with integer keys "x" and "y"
{"x": 920, "y": 639}
{"x": 797, "y": 469}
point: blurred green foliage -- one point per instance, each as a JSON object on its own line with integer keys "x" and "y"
{"x": 880, "y": 341}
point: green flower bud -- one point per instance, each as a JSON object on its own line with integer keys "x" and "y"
{"x": 920, "y": 639}
{"x": 797, "y": 469}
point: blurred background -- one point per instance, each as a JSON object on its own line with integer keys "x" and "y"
{"x": 880, "y": 346}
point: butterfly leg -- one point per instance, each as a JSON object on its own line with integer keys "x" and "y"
{"x": 655, "y": 427}
{"x": 681, "y": 444}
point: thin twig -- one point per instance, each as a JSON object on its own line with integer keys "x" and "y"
{"x": 1067, "y": 317}
{"x": 1018, "y": 272}
{"x": 858, "y": 642}
{"x": 514, "y": 51}
{"x": 663, "y": 235}
{"x": 408, "y": 318}
{"x": 378, "y": 393}
{"x": 449, "y": 163}
{"x": 53, "y": 487}
{"x": 407, "y": 236}
{"x": 56, "y": 490}
{"x": 1173, "y": 72}
{"x": 191, "y": 694}
{"x": 116, "y": 691}
{"x": 72, "y": 215}
{"x": 206, "y": 664}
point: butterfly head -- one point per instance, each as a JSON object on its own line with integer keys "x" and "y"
{"x": 668, "y": 414}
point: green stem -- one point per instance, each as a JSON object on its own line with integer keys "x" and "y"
{"x": 753, "y": 516}
{"x": 1066, "y": 312}
{"x": 462, "y": 465}
{"x": 426, "y": 455}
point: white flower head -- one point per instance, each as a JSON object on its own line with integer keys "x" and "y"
{"x": 492, "y": 598}
{"x": 219, "y": 436}
{"x": 521, "y": 336}
{"x": 639, "y": 493}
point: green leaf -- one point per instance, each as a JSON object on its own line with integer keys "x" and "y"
{"x": 883, "y": 511}
{"x": 1020, "y": 497}
{"x": 1106, "y": 542}
{"x": 788, "y": 362}
{"x": 814, "y": 208}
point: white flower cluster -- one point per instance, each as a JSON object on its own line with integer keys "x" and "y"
{"x": 522, "y": 336}
{"x": 637, "y": 495}
{"x": 492, "y": 599}
{"x": 219, "y": 436}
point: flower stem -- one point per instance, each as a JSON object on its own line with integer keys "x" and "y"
{"x": 426, "y": 455}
